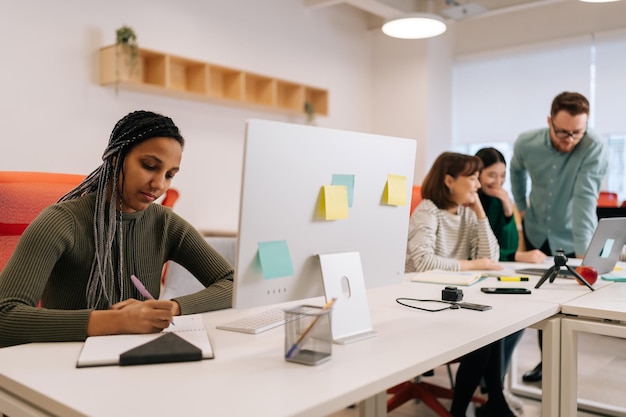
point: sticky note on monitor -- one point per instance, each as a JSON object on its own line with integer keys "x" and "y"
{"x": 275, "y": 259}
{"x": 395, "y": 190}
{"x": 348, "y": 181}
{"x": 333, "y": 202}
{"x": 607, "y": 248}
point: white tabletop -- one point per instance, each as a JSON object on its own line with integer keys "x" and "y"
{"x": 607, "y": 303}
{"x": 249, "y": 375}
{"x": 560, "y": 291}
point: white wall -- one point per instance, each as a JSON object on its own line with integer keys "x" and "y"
{"x": 411, "y": 93}
{"x": 55, "y": 116}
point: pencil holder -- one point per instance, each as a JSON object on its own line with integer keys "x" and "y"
{"x": 308, "y": 336}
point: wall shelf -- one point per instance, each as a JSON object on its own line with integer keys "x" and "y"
{"x": 162, "y": 73}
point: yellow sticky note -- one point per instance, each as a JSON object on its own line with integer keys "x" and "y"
{"x": 348, "y": 181}
{"x": 334, "y": 202}
{"x": 395, "y": 190}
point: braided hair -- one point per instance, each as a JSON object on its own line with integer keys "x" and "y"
{"x": 131, "y": 130}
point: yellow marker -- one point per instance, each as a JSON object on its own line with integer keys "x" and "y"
{"x": 513, "y": 279}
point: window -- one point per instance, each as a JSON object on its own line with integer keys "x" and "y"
{"x": 499, "y": 94}
{"x": 617, "y": 165}
{"x": 505, "y": 148}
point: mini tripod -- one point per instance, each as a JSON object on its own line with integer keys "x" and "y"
{"x": 560, "y": 260}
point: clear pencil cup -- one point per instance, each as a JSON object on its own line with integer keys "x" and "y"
{"x": 308, "y": 337}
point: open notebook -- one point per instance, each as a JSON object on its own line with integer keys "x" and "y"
{"x": 438, "y": 276}
{"x": 133, "y": 349}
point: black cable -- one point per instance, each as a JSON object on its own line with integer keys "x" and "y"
{"x": 451, "y": 305}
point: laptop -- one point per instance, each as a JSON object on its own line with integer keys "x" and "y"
{"x": 603, "y": 251}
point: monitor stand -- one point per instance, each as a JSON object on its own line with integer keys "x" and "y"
{"x": 343, "y": 279}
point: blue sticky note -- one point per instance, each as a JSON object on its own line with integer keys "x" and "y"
{"x": 607, "y": 248}
{"x": 275, "y": 259}
{"x": 348, "y": 181}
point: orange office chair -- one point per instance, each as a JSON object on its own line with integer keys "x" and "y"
{"x": 417, "y": 389}
{"x": 416, "y": 197}
{"x": 608, "y": 199}
{"x": 23, "y": 195}
{"x": 171, "y": 196}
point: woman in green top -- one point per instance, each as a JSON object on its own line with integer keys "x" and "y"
{"x": 499, "y": 209}
{"x": 77, "y": 257}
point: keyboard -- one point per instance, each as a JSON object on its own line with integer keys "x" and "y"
{"x": 256, "y": 323}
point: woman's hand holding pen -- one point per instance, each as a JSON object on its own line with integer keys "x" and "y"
{"x": 146, "y": 316}
{"x": 133, "y": 316}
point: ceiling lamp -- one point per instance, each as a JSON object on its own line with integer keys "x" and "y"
{"x": 598, "y": 1}
{"x": 415, "y": 26}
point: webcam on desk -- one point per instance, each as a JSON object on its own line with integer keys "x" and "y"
{"x": 560, "y": 260}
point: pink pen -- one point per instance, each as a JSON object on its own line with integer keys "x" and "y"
{"x": 143, "y": 290}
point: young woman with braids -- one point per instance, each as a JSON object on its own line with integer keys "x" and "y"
{"x": 78, "y": 255}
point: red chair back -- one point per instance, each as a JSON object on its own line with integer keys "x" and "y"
{"x": 171, "y": 195}
{"x": 608, "y": 199}
{"x": 23, "y": 195}
{"x": 416, "y": 197}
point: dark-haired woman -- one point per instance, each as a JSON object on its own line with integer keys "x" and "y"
{"x": 450, "y": 230}
{"x": 78, "y": 255}
{"x": 499, "y": 208}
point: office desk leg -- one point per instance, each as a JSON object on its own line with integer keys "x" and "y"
{"x": 551, "y": 358}
{"x": 550, "y": 392}
{"x": 570, "y": 327}
{"x": 375, "y": 406}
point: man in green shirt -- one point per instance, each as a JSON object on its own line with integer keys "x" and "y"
{"x": 566, "y": 163}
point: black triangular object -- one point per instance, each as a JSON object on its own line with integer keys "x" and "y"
{"x": 168, "y": 348}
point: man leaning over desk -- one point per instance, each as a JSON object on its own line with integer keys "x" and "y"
{"x": 566, "y": 162}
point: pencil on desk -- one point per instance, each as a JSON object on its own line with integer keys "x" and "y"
{"x": 295, "y": 348}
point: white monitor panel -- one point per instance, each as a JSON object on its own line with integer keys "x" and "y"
{"x": 285, "y": 167}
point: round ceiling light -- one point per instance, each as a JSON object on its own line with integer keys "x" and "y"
{"x": 417, "y": 26}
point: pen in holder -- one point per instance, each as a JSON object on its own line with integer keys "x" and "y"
{"x": 308, "y": 336}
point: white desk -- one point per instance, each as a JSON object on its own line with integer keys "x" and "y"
{"x": 601, "y": 312}
{"x": 249, "y": 375}
{"x": 561, "y": 291}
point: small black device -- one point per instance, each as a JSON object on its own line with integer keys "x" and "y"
{"x": 451, "y": 294}
{"x": 560, "y": 260}
{"x": 472, "y": 306}
{"x": 504, "y": 290}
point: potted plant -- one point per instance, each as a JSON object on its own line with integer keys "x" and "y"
{"x": 127, "y": 47}
{"x": 309, "y": 109}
